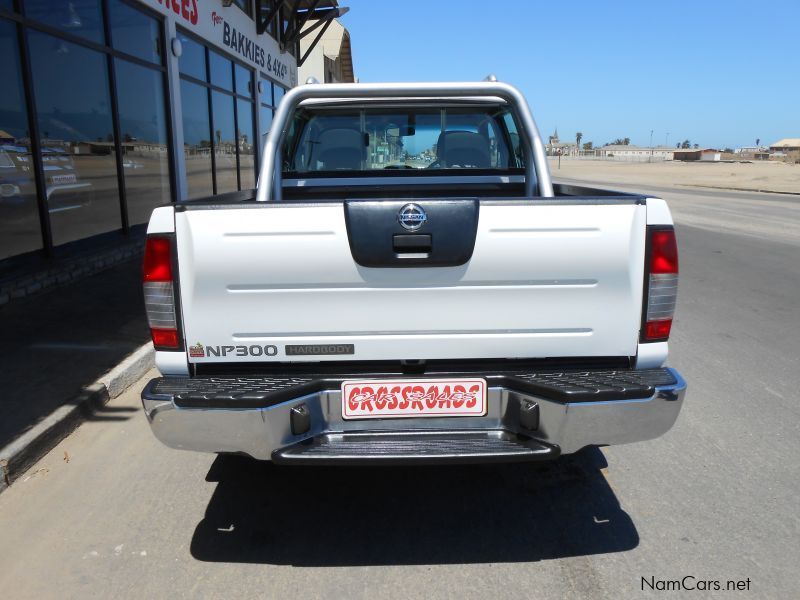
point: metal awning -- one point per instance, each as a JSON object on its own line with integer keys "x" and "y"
{"x": 295, "y": 15}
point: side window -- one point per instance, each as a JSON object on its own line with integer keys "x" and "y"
{"x": 496, "y": 161}
{"x": 518, "y": 158}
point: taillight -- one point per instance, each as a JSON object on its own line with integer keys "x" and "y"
{"x": 159, "y": 297}
{"x": 662, "y": 283}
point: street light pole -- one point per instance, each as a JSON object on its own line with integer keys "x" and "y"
{"x": 651, "y": 146}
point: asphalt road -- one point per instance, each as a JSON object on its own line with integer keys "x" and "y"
{"x": 111, "y": 513}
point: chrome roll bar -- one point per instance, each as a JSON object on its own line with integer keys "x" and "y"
{"x": 536, "y": 170}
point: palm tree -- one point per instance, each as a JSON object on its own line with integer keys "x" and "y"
{"x": 578, "y": 137}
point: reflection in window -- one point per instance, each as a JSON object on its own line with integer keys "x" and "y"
{"x": 19, "y": 217}
{"x": 77, "y": 140}
{"x": 246, "y": 6}
{"x": 265, "y": 119}
{"x": 79, "y": 17}
{"x": 193, "y": 58}
{"x": 244, "y": 78}
{"x": 221, "y": 71}
{"x": 278, "y": 93}
{"x": 266, "y": 95}
{"x": 143, "y": 127}
{"x": 134, "y": 32}
{"x": 247, "y": 164}
{"x": 196, "y": 139}
{"x": 225, "y": 143}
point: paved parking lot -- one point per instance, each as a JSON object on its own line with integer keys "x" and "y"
{"x": 111, "y": 513}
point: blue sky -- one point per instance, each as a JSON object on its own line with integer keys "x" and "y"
{"x": 719, "y": 73}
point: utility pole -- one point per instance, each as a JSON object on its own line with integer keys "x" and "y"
{"x": 651, "y": 146}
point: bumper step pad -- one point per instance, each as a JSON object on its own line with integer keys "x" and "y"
{"x": 265, "y": 391}
{"x": 406, "y": 447}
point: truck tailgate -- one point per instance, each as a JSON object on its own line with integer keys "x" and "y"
{"x": 544, "y": 280}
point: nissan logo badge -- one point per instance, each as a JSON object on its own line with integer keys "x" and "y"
{"x": 412, "y": 217}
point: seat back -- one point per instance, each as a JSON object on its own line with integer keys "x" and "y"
{"x": 463, "y": 149}
{"x": 341, "y": 148}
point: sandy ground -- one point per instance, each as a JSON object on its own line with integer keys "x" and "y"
{"x": 755, "y": 176}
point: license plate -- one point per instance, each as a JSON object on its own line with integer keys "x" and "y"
{"x": 403, "y": 398}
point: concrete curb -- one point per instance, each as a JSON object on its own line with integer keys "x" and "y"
{"x": 25, "y": 450}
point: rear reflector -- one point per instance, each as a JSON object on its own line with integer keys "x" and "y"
{"x": 159, "y": 297}
{"x": 165, "y": 337}
{"x": 658, "y": 329}
{"x": 662, "y": 288}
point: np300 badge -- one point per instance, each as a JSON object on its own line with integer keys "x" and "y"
{"x": 412, "y": 217}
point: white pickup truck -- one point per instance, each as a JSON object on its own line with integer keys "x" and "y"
{"x": 407, "y": 285}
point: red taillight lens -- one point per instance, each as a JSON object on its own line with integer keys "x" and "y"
{"x": 158, "y": 259}
{"x": 662, "y": 284}
{"x": 663, "y": 251}
{"x": 159, "y": 298}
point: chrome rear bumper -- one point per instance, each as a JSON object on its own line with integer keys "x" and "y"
{"x": 264, "y": 431}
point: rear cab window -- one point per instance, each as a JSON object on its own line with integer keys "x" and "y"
{"x": 371, "y": 141}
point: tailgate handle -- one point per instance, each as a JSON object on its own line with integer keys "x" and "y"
{"x": 415, "y": 243}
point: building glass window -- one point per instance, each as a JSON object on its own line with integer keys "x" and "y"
{"x": 19, "y": 216}
{"x": 277, "y": 93}
{"x": 143, "y": 128}
{"x": 244, "y": 81}
{"x": 196, "y": 139}
{"x": 221, "y": 71}
{"x": 134, "y": 33}
{"x": 225, "y": 166}
{"x": 271, "y": 95}
{"x": 103, "y": 159}
{"x": 220, "y": 145}
{"x": 246, "y": 139}
{"x": 266, "y": 109}
{"x": 77, "y": 139}
{"x": 193, "y": 58}
{"x": 79, "y": 17}
{"x": 265, "y": 121}
{"x": 245, "y": 5}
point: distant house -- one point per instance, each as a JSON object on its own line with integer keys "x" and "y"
{"x": 786, "y": 145}
{"x": 702, "y": 154}
{"x": 630, "y": 152}
{"x": 751, "y": 152}
{"x": 750, "y": 149}
{"x": 555, "y": 147}
{"x": 786, "y": 149}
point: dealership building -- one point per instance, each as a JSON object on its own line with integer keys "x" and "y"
{"x": 110, "y": 108}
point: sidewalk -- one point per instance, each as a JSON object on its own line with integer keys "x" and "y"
{"x": 54, "y": 344}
